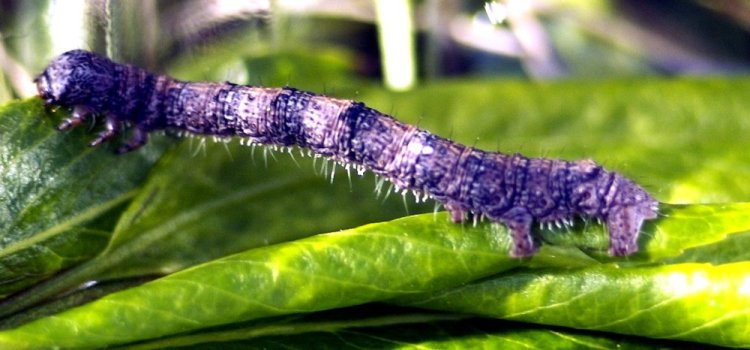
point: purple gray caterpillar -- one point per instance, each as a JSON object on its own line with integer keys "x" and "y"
{"x": 509, "y": 189}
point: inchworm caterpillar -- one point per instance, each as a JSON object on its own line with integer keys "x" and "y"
{"x": 510, "y": 189}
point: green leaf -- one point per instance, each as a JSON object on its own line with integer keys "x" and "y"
{"x": 378, "y": 326}
{"x": 698, "y": 229}
{"x": 695, "y": 302}
{"x": 370, "y": 263}
{"x": 88, "y": 292}
{"x": 54, "y": 192}
{"x": 397, "y": 260}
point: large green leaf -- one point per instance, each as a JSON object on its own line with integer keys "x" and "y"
{"x": 370, "y": 263}
{"x": 413, "y": 255}
{"x": 697, "y": 302}
{"x": 379, "y": 326}
{"x": 52, "y": 188}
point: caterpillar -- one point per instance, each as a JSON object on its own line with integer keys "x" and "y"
{"x": 506, "y": 188}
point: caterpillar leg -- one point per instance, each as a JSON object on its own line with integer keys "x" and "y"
{"x": 137, "y": 139}
{"x": 519, "y": 222}
{"x": 112, "y": 128}
{"x": 457, "y": 214}
{"x": 624, "y": 225}
{"x": 80, "y": 114}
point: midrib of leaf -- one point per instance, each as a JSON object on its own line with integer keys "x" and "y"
{"x": 626, "y": 319}
{"x": 82, "y": 216}
{"x": 575, "y": 340}
{"x": 520, "y": 344}
{"x": 297, "y": 328}
{"x": 550, "y": 306}
{"x": 702, "y": 324}
{"x": 715, "y": 321}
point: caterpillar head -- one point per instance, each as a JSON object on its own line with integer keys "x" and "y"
{"x": 77, "y": 78}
